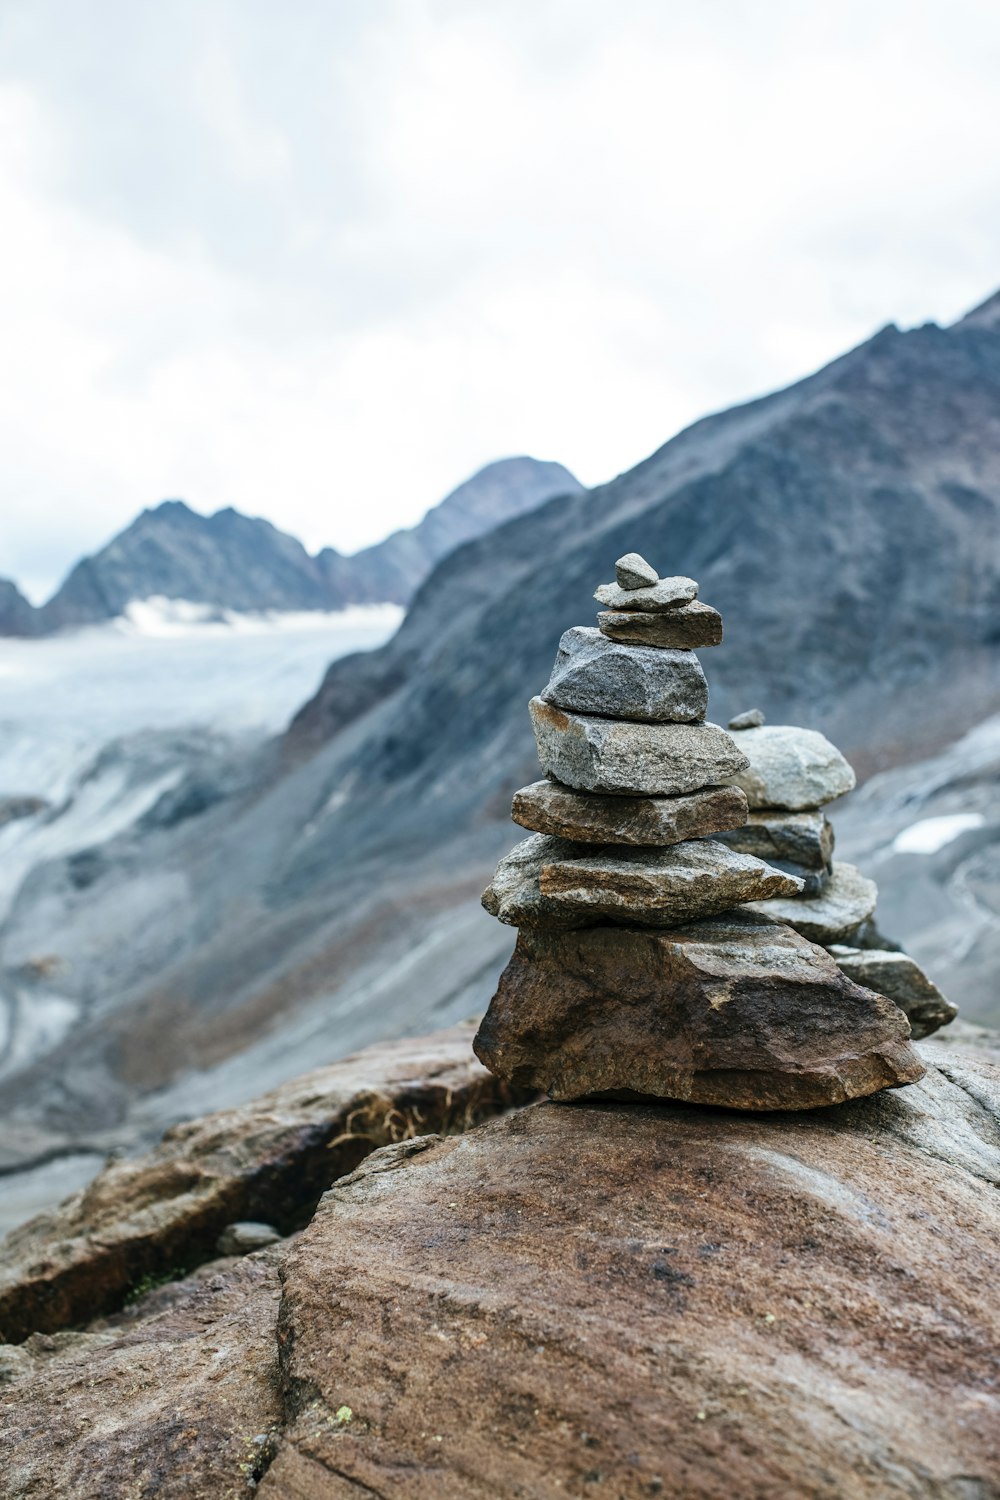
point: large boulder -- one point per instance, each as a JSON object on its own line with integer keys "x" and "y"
{"x": 733, "y": 1010}
{"x": 572, "y": 1300}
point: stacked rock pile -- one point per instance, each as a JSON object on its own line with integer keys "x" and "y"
{"x": 793, "y": 776}
{"x": 641, "y": 967}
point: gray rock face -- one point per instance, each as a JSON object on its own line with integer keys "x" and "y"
{"x": 667, "y": 593}
{"x": 546, "y": 882}
{"x": 803, "y": 838}
{"x": 593, "y": 675}
{"x": 588, "y": 818}
{"x": 633, "y": 572}
{"x": 901, "y": 979}
{"x": 245, "y": 1237}
{"x": 660, "y": 760}
{"x": 752, "y": 719}
{"x": 689, "y": 626}
{"x": 848, "y": 899}
{"x": 792, "y": 768}
{"x": 730, "y": 1011}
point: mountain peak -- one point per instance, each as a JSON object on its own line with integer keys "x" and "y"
{"x": 986, "y": 315}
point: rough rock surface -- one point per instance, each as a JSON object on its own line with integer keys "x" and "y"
{"x": 792, "y": 767}
{"x": 633, "y": 572}
{"x": 588, "y": 818}
{"x": 667, "y": 593}
{"x": 848, "y": 900}
{"x": 547, "y": 882}
{"x": 660, "y": 760}
{"x": 178, "y": 1398}
{"x": 594, "y": 675}
{"x": 591, "y": 1299}
{"x": 689, "y": 626}
{"x": 902, "y": 979}
{"x": 733, "y": 1010}
{"x": 804, "y": 838}
{"x": 271, "y": 1159}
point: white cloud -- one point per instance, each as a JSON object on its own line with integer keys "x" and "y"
{"x": 321, "y": 264}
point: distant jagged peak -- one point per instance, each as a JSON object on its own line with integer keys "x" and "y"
{"x": 986, "y": 315}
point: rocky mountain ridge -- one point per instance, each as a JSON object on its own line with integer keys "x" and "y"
{"x": 230, "y": 561}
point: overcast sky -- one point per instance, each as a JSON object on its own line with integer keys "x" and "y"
{"x": 322, "y": 260}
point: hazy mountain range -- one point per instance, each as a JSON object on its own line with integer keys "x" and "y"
{"x": 236, "y": 562}
{"x": 268, "y": 913}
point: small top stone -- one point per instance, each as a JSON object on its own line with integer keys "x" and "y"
{"x": 633, "y": 572}
{"x": 752, "y": 719}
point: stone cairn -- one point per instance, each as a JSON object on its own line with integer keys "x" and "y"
{"x": 650, "y": 960}
{"x": 794, "y": 773}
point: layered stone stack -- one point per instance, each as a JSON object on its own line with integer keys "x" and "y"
{"x": 641, "y": 968}
{"x": 793, "y": 776}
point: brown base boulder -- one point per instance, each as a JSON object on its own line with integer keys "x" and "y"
{"x": 733, "y": 1010}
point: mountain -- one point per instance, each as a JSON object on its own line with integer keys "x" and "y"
{"x": 848, "y": 528}
{"x": 17, "y": 616}
{"x": 236, "y": 562}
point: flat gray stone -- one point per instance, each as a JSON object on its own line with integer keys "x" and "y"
{"x": 633, "y": 572}
{"x": 246, "y": 1236}
{"x": 593, "y": 675}
{"x": 848, "y": 899}
{"x": 803, "y": 838}
{"x": 689, "y": 626}
{"x": 609, "y": 755}
{"x": 752, "y": 719}
{"x": 589, "y": 818}
{"x": 901, "y": 979}
{"x": 668, "y": 593}
{"x": 792, "y": 767}
{"x": 547, "y": 882}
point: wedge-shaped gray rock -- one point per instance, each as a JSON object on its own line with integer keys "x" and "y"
{"x": 607, "y": 755}
{"x": 731, "y": 1011}
{"x": 593, "y": 675}
{"x": 753, "y": 718}
{"x": 901, "y": 979}
{"x": 667, "y": 593}
{"x": 848, "y": 899}
{"x": 588, "y": 818}
{"x": 633, "y": 572}
{"x": 792, "y": 767}
{"x": 689, "y": 626}
{"x": 804, "y": 838}
{"x": 547, "y": 882}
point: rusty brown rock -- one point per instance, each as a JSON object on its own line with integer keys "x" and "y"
{"x": 546, "y": 882}
{"x": 657, "y": 1301}
{"x": 156, "y": 1214}
{"x": 689, "y": 627}
{"x": 732, "y": 1010}
{"x": 589, "y": 818}
{"x": 177, "y": 1399}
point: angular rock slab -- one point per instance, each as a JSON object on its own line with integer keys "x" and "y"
{"x": 803, "y": 838}
{"x": 594, "y": 675}
{"x": 633, "y": 572}
{"x": 689, "y": 626}
{"x": 733, "y": 1010}
{"x": 589, "y": 818}
{"x": 792, "y": 768}
{"x": 849, "y": 899}
{"x": 605, "y": 755}
{"x": 666, "y": 593}
{"x": 901, "y": 979}
{"x": 752, "y": 718}
{"x": 546, "y": 882}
